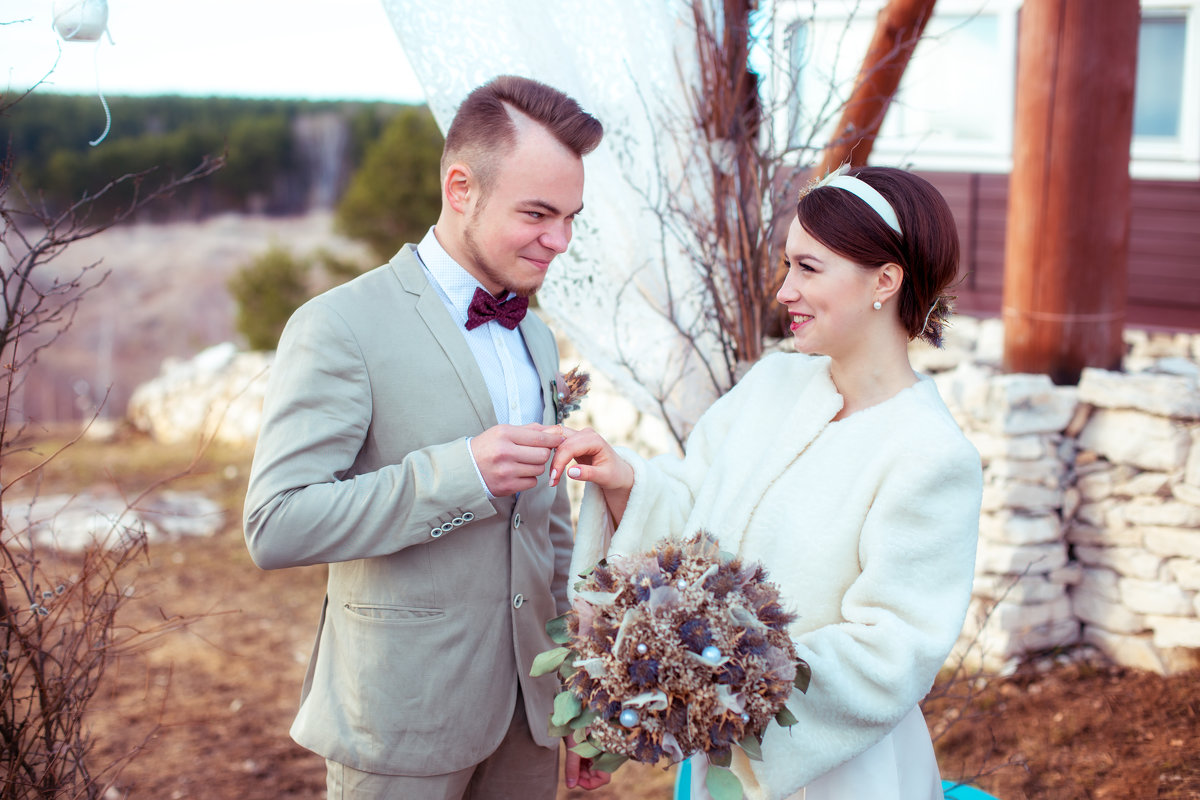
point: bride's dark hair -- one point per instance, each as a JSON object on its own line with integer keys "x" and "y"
{"x": 927, "y": 250}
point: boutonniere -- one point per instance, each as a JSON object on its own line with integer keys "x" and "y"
{"x": 567, "y": 392}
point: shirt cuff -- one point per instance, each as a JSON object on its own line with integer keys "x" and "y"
{"x": 482, "y": 482}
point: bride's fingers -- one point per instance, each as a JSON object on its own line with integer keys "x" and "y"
{"x": 581, "y": 472}
{"x": 572, "y": 448}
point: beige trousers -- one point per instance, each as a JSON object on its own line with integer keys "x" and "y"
{"x": 518, "y": 770}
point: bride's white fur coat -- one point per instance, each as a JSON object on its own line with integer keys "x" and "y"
{"x": 868, "y": 525}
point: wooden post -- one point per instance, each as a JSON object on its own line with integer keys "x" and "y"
{"x": 1069, "y": 195}
{"x": 897, "y": 31}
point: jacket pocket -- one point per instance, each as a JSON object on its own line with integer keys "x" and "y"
{"x": 388, "y": 613}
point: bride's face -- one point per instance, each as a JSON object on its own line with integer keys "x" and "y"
{"x": 828, "y": 297}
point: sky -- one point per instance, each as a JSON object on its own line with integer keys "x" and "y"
{"x": 296, "y": 49}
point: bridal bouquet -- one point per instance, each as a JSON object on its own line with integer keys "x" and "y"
{"x": 677, "y": 651}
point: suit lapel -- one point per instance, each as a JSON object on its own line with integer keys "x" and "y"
{"x": 429, "y": 306}
{"x": 539, "y": 342}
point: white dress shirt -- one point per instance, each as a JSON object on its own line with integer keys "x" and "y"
{"x": 508, "y": 370}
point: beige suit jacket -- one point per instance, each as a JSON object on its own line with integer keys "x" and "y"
{"x": 437, "y": 597}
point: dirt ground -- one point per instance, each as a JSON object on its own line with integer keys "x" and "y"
{"x": 204, "y": 710}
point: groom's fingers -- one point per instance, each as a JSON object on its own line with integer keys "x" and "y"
{"x": 535, "y": 435}
{"x": 511, "y": 457}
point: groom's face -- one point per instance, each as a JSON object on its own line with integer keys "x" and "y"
{"x": 512, "y": 233}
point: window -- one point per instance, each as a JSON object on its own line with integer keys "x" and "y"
{"x": 954, "y": 109}
{"x": 1166, "y": 108}
{"x": 1158, "y": 99}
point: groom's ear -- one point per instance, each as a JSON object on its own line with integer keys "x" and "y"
{"x": 458, "y": 187}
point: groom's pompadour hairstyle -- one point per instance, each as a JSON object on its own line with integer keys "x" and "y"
{"x": 484, "y": 130}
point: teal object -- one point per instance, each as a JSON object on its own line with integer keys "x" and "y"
{"x": 961, "y": 791}
{"x": 683, "y": 780}
{"x": 952, "y": 790}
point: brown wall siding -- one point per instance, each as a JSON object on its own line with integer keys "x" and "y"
{"x": 1164, "y": 247}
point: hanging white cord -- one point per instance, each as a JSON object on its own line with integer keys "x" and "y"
{"x": 95, "y": 68}
{"x": 100, "y": 92}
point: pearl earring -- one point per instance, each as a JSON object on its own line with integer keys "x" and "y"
{"x": 877, "y": 305}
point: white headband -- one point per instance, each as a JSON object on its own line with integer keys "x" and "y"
{"x": 863, "y": 191}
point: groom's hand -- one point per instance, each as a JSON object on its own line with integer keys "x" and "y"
{"x": 511, "y": 457}
{"x": 580, "y": 772}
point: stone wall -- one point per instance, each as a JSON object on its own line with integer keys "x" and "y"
{"x": 1090, "y": 530}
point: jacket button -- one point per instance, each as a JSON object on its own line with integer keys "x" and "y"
{"x": 447, "y": 527}
{"x": 516, "y": 521}
{"x": 468, "y": 516}
{"x": 518, "y": 600}
{"x": 457, "y": 521}
{"x": 436, "y": 532}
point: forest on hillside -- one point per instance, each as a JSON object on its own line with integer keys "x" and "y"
{"x": 281, "y": 156}
{"x": 284, "y": 171}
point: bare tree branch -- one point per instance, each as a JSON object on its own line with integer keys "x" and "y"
{"x": 58, "y": 612}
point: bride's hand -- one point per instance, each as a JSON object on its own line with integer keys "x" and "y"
{"x": 594, "y": 461}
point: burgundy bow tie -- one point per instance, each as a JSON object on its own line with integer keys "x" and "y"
{"x": 485, "y": 308}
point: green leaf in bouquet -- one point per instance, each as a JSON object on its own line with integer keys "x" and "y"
{"x": 566, "y": 669}
{"x": 547, "y": 662}
{"x": 566, "y": 708}
{"x": 720, "y": 758}
{"x": 723, "y": 784}
{"x": 586, "y": 718}
{"x": 558, "y": 731}
{"x": 558, "y": 630}
{"x": 803, "y": 675}
{"x": 786, "y": 718}
{"x": 608, "y": 762}
{"x": 586, "y": 750}
{"x": 751, "y": 747}
{"x": 601, "y": 563}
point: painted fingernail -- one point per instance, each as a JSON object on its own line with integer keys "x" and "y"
{"x": 574, "y": 472}
{"x": 553, "y": 476}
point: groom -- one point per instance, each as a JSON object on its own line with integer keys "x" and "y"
{"x": 406, "y": 431}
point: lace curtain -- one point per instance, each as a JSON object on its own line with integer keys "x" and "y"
{"x": 631, "y": 63}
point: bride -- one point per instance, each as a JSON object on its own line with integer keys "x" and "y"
{"x": 840, "y": 469}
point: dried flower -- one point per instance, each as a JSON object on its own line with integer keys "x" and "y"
{"x": 677, "y": 651}
{"x": 936, "y": 319}
{"x": 568, "y": 391}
